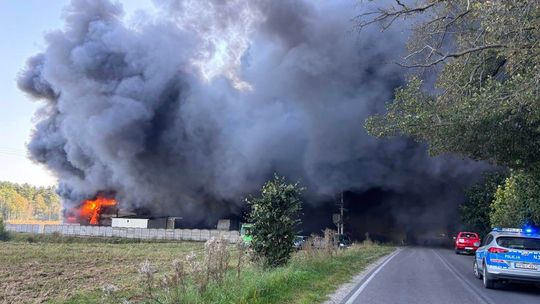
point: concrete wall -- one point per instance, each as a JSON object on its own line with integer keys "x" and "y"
{"x": 134, "y": 233}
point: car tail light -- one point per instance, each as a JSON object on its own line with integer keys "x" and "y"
{"x": 461, "y": 240}
{"x": 497, "y": 250}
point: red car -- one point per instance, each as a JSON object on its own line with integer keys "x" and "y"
{"x": 467, "y": 242}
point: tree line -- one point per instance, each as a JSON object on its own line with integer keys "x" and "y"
{"x": 24, "y": 201}
{"x": 485, "y": 102}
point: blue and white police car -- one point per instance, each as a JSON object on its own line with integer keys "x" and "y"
{"x": 508, "y": 254}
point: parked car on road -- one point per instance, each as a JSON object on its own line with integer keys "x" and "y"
{"x": 467, "y": 242}
{"x": 508, "y": 254}
{"x": 299, "y": 241}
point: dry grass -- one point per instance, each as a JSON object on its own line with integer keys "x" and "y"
{"x": 40, "y": 272}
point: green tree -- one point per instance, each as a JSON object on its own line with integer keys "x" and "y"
{"x": 23, "y": 207}
{"x": 486, "y": 103}
{"x": 4, "y": 207}
{"x": 517, "y": 201}
{"x": 53, "y": 202}
{"x": 4, "y": 235}
{"x": 40, "y": 207}
{"x": 475, "y": 211}
{"x": 13, "y": 204}
{"x": 275, "y": 217}
{"x": 24, "y": 201}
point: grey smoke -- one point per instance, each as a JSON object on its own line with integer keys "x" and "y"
{"x": 190, "y": 110}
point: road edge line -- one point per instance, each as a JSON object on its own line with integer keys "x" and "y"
{"x": 463, "y": 281}
{"x": 371, "y": 276}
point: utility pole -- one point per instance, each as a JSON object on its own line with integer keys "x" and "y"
{"x": 342, "y": 222}
{"x": 338, "y": 218}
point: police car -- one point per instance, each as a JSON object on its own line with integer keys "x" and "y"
{"x": 508, "y": 254}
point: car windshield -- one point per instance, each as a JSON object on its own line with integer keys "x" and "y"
{"x": 344, "y": 239}
{"x": 468, "y": 235}
{"x": 519, "y": 243}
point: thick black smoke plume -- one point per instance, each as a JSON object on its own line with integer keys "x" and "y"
{"x": 192, "y": 108}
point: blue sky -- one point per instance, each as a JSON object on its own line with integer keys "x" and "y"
{"x": 22, "y": 26}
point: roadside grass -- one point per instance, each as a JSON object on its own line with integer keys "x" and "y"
{"x": 58, "y": 269}
{"x": 306, "y": 279}
{"x": 55, "y": 271}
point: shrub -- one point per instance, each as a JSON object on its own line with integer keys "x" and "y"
{"x": 330, "y": 242}
{"x": 308, "y": 248}
{"x": 191, "y": 276}
{"x": 242, "y": 253}
{"x": 147, "y": 275}
{"x": 213, "y": 265}
{"x": 4, "y": 234}
{"x": 275, "y": 216}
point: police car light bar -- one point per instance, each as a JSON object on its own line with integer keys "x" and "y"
{"x": 525, "y": 230}
{"x": 515, "y": 230}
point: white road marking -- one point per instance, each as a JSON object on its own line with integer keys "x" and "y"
{"x": 366, "y": 282}
{"x": 462, "y": 280}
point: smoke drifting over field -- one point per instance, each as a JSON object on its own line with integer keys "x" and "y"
{"x": 195, "y": 107}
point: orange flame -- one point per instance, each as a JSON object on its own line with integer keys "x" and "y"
{"x": 91, "y": 209}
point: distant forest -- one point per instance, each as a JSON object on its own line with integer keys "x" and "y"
{"x": 23, "y": 202}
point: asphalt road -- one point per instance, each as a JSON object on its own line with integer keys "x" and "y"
{"x": 433, "y": 275}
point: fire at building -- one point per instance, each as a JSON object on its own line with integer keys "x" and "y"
{"x": 105, "y": 210}
{"x": 96, "y": 211}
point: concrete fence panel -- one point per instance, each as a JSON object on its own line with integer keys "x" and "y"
{"x": 130, "y": 233}
{"x": 138, "y": 233}
{"x": 196, "y": 235}
{"x": 145, "y": 234}
{"x": 201, "y": 235}
{"x": 109, "y": 231}
{"x": 102, "y": 231}
{"x": 205, "y": 235}
{"x": 160, "y": 234}
{"x": 214, "y": 233}
{"x": 186, "y": 234}
{"x": 87, "y": 230}
{"x": 116, "y": 232}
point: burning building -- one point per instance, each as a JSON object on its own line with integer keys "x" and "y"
{"x": 96, "y": 210}
{"x": 93, "y": 212}
{"x": 188, "y": 110}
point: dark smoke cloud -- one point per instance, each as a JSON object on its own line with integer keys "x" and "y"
{"x": 198, "y": 105}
